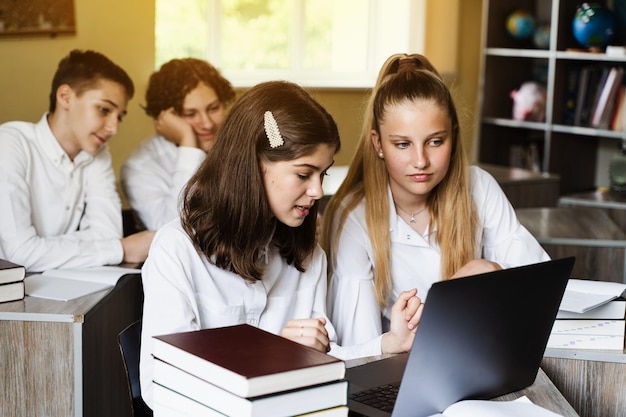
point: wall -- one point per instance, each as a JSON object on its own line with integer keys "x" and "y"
{"x": 27, "y": 65}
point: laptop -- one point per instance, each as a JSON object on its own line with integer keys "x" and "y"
{"x": 479, "y": 337}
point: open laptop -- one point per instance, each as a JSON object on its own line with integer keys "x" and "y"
{"x": 479, "y": 337}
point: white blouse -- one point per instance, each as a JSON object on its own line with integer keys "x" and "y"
{"x": 153, "y": 177}
{"x": 55, "y": 212}
{"x": 415, "y": 262}
{"x": 183, "y": 291}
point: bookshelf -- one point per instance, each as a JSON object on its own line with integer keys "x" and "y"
{"x": 556, "y": 145}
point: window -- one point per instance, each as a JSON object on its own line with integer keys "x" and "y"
{"x": 316, "y": 43}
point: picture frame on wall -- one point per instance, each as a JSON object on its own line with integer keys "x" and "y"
{"x": 37, "y": 17}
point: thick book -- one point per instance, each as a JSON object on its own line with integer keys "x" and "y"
{"x": 246, "y": 360}
{"x": 588, "y": 334}
{"x": 12, "y": 291}
{"x": 11, "y": 272}
{"x": 168, "y": 403}
{"x": 285, "y": 403}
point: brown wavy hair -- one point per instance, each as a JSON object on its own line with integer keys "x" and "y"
{"x": 225, "y": 208}
{"x": 168, "y": 87}
{"x": 405, "y": 78}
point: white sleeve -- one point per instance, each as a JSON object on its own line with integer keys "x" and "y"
{"x": 505, "y": 240}
{"x": 155, "y": 193}
{"x": 169, "y": 303}
{"x": 96, "y": 243}
{"x": 353, "y": 308}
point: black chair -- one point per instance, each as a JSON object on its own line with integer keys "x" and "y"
{"x": 129, "y": 341}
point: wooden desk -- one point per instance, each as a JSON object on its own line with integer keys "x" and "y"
{"x": 594, "y": 382}
{"x": 526, "y": 188}
{"x": 587, "y": 233}
{"x": 542, "y": 392}
{"x": 62, "y": 359}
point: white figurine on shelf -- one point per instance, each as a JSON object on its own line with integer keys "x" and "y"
{"x": 529, "y": 102}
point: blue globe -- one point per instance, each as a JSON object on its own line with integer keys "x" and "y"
{"x": 593, "y": 26}
{"x": 520, "y": 24}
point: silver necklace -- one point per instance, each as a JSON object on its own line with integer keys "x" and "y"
{"x": 411, "y": 216}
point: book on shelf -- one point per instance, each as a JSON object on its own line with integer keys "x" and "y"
{"x": 11, "y": 272}
{"x": 596, "y": 334}
{"x": 12, "y": 291}
{"x": 168, "y": 403}
{"x": 285, "y": 403}
{"x": 605, "y": 104}
{"x": 246, "y": 360}
{"x": 617, "y": 124}
{"x": 582, "y": 295}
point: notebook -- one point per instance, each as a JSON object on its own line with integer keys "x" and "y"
{"x": 479, "y": 337}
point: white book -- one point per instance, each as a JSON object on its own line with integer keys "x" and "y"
{"x": 615, "y": 309}
{"x": 582, "y": 295}
{"x": 287, "y": 403}
{"x": 587, "y": 334}
{"x": 168, "y": 403}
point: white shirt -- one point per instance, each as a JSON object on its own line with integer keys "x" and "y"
{"x": 55, "y": 212}
{"x": 154, "y": 176}
{"x": 415, "y": 261}
{"x": 183, "y": 291}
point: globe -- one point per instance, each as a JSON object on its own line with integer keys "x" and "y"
{"x": 593, "y": 26}
{"x": 520, "y": 24}
{"x": 541, "y": 37}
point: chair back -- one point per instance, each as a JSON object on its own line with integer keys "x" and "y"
{"x": 129, "y": 341}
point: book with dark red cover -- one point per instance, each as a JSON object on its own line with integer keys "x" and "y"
{"x": 11, "y": 272}
{"x": 12, "y": 291}
{"x": 246, "y": 360}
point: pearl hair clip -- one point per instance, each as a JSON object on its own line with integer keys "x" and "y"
{"x": 271, "y": 130}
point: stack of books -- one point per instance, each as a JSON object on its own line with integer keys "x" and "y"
{"x": 592, "y": 315}
{"x": 243, "y": 371}
{"x": 11, "y": 281}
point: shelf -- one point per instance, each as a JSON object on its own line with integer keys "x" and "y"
{"x": 589, "y": 56}
{"x": 498, "y": 121}
{"x": 519, "y": 53}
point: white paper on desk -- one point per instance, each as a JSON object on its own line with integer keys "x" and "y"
{"x": 587, "y": 334}
{"x": 61, "y": 289}
{"x": 582, "y": 295}
{"x": 521, "y": 407}
{"x": 102, "y": 274}
{"x": 67, "y": 284}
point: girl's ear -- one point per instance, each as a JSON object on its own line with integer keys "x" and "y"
{"x": 64, "y": 95}
{"x": 376, "y": 141}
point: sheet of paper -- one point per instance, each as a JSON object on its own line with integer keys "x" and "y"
{"x": 583, "y": 295}
{"x": 61, "y": 289}
{"x": 102, "y": 274}
{"x": 521, "y": 407}
{"x": 67, "y": 284}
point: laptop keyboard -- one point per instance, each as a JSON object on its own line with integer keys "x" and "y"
{"x": 382, "y": 397}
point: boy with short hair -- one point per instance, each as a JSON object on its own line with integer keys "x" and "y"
{"x": 59, "y": 205}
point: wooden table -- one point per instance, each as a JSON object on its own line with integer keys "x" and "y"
{"x": 542, "y": 392}
{"x": 594, "y": 382}
{"x": 598, "y": 243}
{"x": 62, "y": 359}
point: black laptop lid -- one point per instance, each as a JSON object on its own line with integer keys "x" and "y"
{"x": 481, "y": 336}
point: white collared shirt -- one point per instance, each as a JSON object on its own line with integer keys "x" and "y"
{"x": 55, "y": 212}
{"x": 183, "y": 291}
{"x": 153, "y": 177}
{"x": 415, "y": 261}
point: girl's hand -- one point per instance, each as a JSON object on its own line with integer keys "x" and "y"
{"x": 308, "y": 332}
{"x": 175, "y": 129}
{"x": 405, "y": 316}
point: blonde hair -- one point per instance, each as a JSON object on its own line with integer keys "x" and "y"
{"x": 405, "y": 78}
